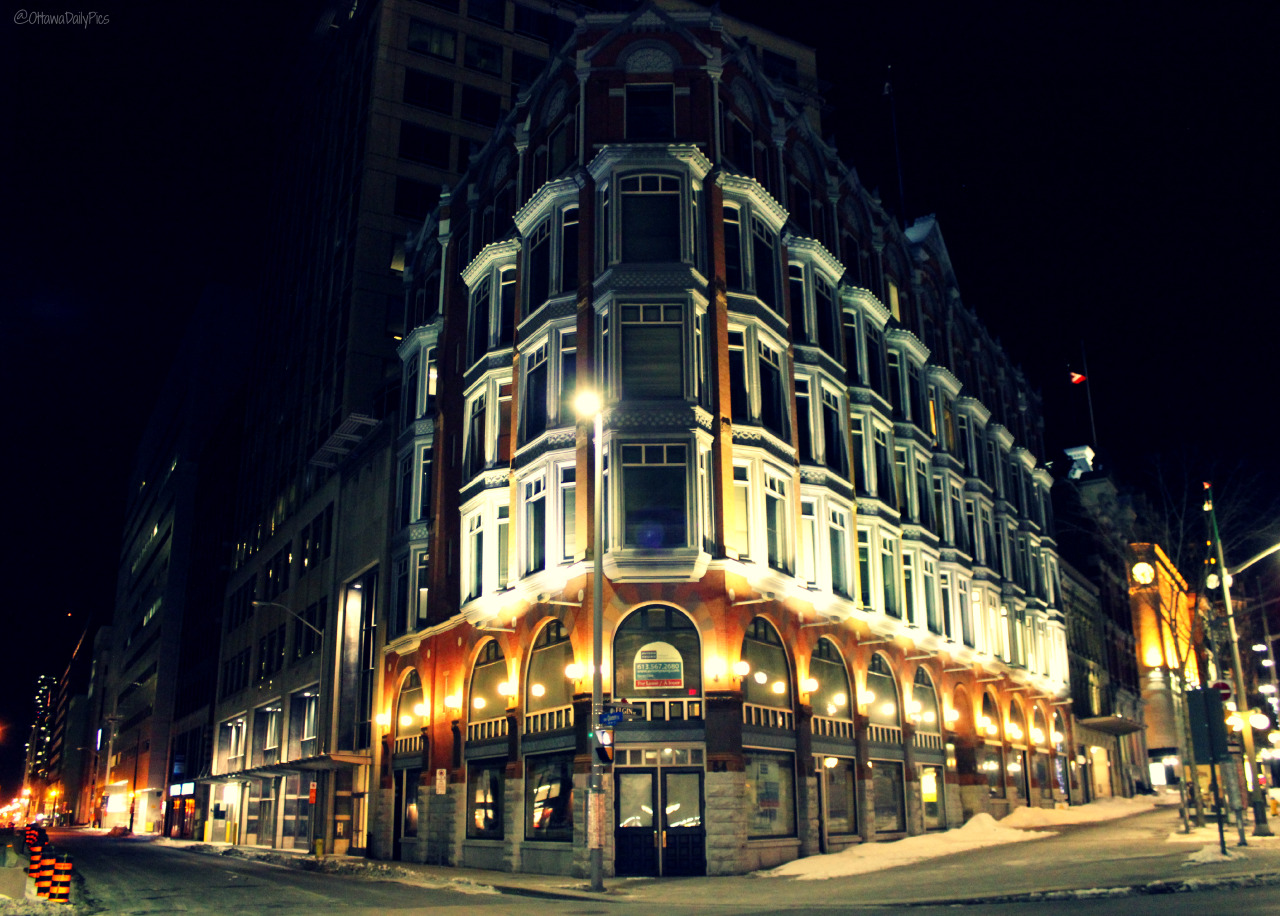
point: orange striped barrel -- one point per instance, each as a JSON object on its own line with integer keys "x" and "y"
{"x": 48, "y": 858}
{"x": 60, "y": 889}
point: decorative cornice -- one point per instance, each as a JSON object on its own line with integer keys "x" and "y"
{"x": 741, "y": 189}
{"x": 913, "y": 346}
{"x": 559, "y": 191}
{"x": 421, "y": 336}
{"x": 1001, "y": 434}
{"x": 816, "y": 254}
{"x": 945, "y": 379}
{"x": 490, "y": 255}
{"x": 855, "y": 297}
{"x": 649, "y": 155}
{"x": 666, "y": 278}
{"x": 974, "y": 408}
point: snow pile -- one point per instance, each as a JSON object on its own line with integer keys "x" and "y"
{"x": 1208, "y": 855}
{"x": 1105, "y": 809}
{"x": 982, "y": 830}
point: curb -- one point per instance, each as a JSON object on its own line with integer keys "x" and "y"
{"x": 387, "y": 871}
{"x": 1151, "y": 888}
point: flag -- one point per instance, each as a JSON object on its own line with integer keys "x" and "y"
{"x": 1077, "y": 378}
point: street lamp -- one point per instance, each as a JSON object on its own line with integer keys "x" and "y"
{"x": 1260, "y": 826}
{"x": 589, "y": 406}
{"x": 288, "y": 610}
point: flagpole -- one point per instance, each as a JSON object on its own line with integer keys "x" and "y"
{"x": 1088, "y": 393}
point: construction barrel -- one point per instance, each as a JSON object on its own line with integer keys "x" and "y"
{"x": 48, "y": 858}
{"x": 35, "y": 850}
{"x": 60, "y": 890}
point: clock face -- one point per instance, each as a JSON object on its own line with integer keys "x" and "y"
{"x": 1144, "y": 573}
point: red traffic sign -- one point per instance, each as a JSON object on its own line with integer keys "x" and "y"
{"x": 1223, "y": 688}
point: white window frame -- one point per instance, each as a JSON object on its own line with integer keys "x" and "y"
{"x": 484, "y": 514}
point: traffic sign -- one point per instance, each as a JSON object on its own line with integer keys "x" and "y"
{"x": 631, "y": 711}
{"x": 1223, "y": 688}
{"x": 611, "y": 718}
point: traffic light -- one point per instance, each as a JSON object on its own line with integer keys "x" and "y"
{"x": 604, "y": 744}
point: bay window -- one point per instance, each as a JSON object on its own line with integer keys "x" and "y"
{"x": 838, "y": 538}
{"x": 650, "y": 218}
{"x": 652, "y": 353}
{"x": 764, "y": 257}
{"x": 535, "y": 524}
{"x": 776, "y": 521}
{"x": 773, "y": 414}
{"x": 807, "y": 555}
{"x": 653, "y": 490}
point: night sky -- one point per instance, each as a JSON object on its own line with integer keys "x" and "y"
{"x": 1104, "y": 176}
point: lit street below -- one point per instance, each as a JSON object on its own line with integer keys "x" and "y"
{"x": 131, "y": 877}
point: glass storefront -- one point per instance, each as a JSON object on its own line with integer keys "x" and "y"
{"x": 887, "y": 786}
{"x": 770, "y": 794}
{"x": 548, "y": 797}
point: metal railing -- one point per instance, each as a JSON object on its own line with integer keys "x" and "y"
{"x": 768, "y": 717}
{"x": 548, "y": 720}
{"x": 487, "y": 729}
{"x": 825, "y": 727}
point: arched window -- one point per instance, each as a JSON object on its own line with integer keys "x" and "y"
{"x": 924, "y": 700}
{"x": 657, "y": 655}
{"x": 547, "y": 688}
{"x": 1016, "y": 730}
{"x": 769, "y": 681}
{"x": 989, "y": 721}
{"x": 1039, "y": 734}
{"x": 883, "y": 707}
{"x": 960, "y": 718}
{"x": 990, "y": 754}
{"x": 489, "y": 685}
{"x": 485, "y": 777}
{"x": 831, "y": 699}
{"x": 411, "y": 711}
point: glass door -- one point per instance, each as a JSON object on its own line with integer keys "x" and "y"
{"x": 659, "y": 822}
{"x": 684, "y": 845}
{"x": 636, "y": 834}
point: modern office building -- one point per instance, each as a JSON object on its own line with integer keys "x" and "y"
{"x": 172, "y": 570}
{"x": 386, "y": 107}
{"x": 830, "y": 582}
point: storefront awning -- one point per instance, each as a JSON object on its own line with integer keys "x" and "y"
{"x": 333, "y": 761}
{"x": 1112, "y": 725}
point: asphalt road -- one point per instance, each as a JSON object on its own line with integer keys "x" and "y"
{"x": 125, "y": 877}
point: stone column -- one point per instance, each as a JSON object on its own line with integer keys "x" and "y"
{"x": 725, "y": 800}
{"x": 808, "y": 825}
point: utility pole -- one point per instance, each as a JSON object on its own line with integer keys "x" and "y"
{"x": 1260, "y": 825}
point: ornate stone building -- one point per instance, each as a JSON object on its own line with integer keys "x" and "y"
{"x": 831, "y": 583}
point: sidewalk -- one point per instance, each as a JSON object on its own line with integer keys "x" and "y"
{"x": 1132, "y": 855}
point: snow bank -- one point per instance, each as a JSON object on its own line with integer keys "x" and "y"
{"x": 1105, "y": 809}
{"x": 982, "y": 830}
{"x": 1208, "y": 855}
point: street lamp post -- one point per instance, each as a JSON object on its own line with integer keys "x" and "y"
{"x": 1259, "y": 804}
{"x": 588, "y": 404}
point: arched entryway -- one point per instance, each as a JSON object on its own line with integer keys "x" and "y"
{"x": 659, "y": 758}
